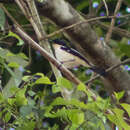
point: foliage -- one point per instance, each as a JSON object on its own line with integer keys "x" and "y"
{"x": 30, "y": 96}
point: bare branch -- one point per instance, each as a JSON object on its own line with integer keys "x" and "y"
{"x": 109, "y": 33}
{"x": 30, "y": 11}
{"x": 106, "y": 7}
{"x": 108, "y": 70}
{"x": 78, "y": 23}
{"x": 119, "y": 31}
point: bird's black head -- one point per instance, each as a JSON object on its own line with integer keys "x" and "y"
{"x": 59, "y": 41}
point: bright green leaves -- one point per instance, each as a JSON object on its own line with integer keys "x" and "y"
{"x": 118, "y": 118}
{"x": 27, "y": 125}
{"x": 126, "y": 107}
{"x": 1, "y": 98}
{"x": 119, "y": 95}
{"x": 75, "y": 116}
{"x": 20, "y": 97}
{"x": 38, "y": 78}
{"x": 13, "y": 65}
{"x": 62, "y": 82}
{"x": 7, "y": 117}
{"x": 20, "y": 41}
{"x": 82, "y": 87}
{"x": 43, "y": 80}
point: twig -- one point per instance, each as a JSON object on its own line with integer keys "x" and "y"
{"x": 90, "y": 8}
{"x": 106, "y": 7}
{"x": 108, "y": 70}
{"x": 109, "y": 33}
{"x": 119, "y": 31}
{"x": 99, "y": 7}
{"x": 78, "y": 23}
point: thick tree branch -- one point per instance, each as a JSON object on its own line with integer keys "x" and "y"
{"x": 85, "y": 38}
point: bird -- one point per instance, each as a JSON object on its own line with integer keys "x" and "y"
{"x": 71, "y": 58}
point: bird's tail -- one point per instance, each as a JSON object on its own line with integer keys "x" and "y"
{"x": 98, "y": 70}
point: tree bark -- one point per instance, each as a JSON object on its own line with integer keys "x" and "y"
{"x": 85, "y": 39}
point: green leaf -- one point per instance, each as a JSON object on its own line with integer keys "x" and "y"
{"x": 11, "y": 34}
{"x": 13, "y": 65}
{"x": 31, "y": 93}
{"x": 26, "y": 78}
{"x": 12, "y": 74}
{"x": 20, "y": 97}
{"x": 25, "y": 110}
{"x": 82, "y": 5}
{"x": 40, "y": 74}
{"x": 126, "y": 107}
{"x": 119, "y": 114}
{"x": 62, "y": 82}
{"x": 28, "y": 125}
{"x": 117, "y": 118}
{"x": 76, "y": 116}
{"x": 56, "y": 89}
{"x": 2, "y": 19}
{"x": 44, "y": 80}
{"x": 31, "y": 102}
{"x": 22, "y": 55}
{"x": 11, "y": 101}
{"x": 7, "y": 117}
{"x": 74, "y": 102}
{"x": 119, "y": 95}
{"x": 81, "y": 87}
{"x": 60, "y": 113}
{"x": 74, "y": 127}
{"x": 114, "y": 119}
{"x": 10, "y": 54}
{"x": 101, "y": 125}
{"x": 11, "y": 57}
{"x": 1, "y": 98}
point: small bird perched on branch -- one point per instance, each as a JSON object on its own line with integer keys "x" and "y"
{"x": 71, "y": 58}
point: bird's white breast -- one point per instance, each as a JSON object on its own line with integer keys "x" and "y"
{"x": 69, "y": 60}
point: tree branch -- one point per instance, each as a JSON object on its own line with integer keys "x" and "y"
{"x": 108, "y": 70}
{"x": 30, "y": 11}
{"x": 46, "y": 54}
